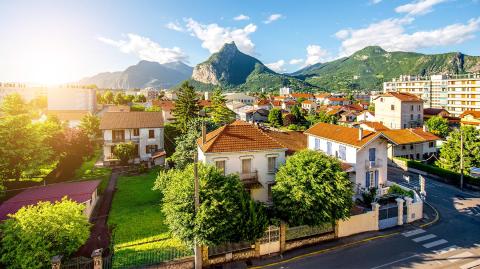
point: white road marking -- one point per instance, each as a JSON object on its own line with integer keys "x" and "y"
{"x": 413, "y": 232}
{"x": 446, "y": 250}
{"x": 460, "y": 256}
{"x": 435, "y": 243}
{"x": 471, "y": 264}
{"x": 423, "y": 238}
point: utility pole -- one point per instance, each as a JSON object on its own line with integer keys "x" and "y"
{"x": 198, "y": 249}
{"x": 461, "y": 159}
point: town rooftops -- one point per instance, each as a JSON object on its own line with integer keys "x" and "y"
{"x": 409, "y": 136}
{"x": 308, "y": 102}
{"x": 292, "y": 140}
{"x": 322, "y": 95}
{"x": 377, "y": 126}
{"x": 433, "y": 111}
{"x": 341, "y": 134}
{"x": 238, "y": 136}
{"x": 475, "y": 114}
{"x": 79, "y": 192}
{"x": 166, "y": 105}
{"x": 336, "y": 99}
{"x": 302, "y": 95}
{"x": 262, "y": 102}
{"x": 402, "y": 96}
{"x": 124, "y": 120}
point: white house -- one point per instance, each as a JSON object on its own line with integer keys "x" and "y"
{"x": 399, "y": 110}
{"x": 365, "y": 152}
{"x": 240, "y": 97}
{"x": 309, "y": 105}
{"x": 366, "y": 116}
{"x": 416, "y": 143}
{"x": 246, "y": 150}
{"x": 144, "y": 129}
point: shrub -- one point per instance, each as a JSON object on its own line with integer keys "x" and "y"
{"x": 395, "y": 189}
{"x": 368, "y": 196}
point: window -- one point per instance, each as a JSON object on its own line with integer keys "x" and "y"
{"x": 272, "y": 161}
{"x": 404, "y": 125}
{"x": 342, "y": 152}
{"x": 220, "y": 166}
{"x": 118, "y": 135}
{"x": 411, "y": 116}
{"x": 246, "y": 166}
{"x": 371, "y": 179}
{"x": 411, "y": 146}
{"x": 419, "y": 107}
{"x": 431, "y": 144}
{"x": 317, "y": 143}
{"x": 418, "y": 116}
{"x": 329, "y": 148}
{"x": 136, "y": 132}
{"x": 392, "y": 107}
{"x": 151, "y": 148}
{"x": 403, "y": 147}
{"x": 269, "y": 197}
{"x": 411, "y": 108}
{"x": 151, "y": 133}
{"x": 371, "y": 154}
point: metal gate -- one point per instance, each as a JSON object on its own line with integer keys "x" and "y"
{"x": 270, "y": 242}
{"x": 78, "y": 263}
{"x": 387, "y": 217}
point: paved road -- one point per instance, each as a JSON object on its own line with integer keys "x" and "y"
{"x": 453, "y": 242}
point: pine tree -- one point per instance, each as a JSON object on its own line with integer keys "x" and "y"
{"x": 220, "y": 113}
{"x": 186, "y": 106}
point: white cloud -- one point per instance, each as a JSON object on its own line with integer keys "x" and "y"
{"x": 295, "y": 61}
{"x": 242, "y": 17}
{"x": 213, "y": 36}
{"x": 374, "y": 2}
{"x": 278, "y": 66}
{"x": 316, "y": 54}
{"x": 273, "y": 18}
{"x": 146, "y": 49}
{"x": 418, "y": 7}
{"x": 390, "y": 34}
{"x": 175, "y": 26}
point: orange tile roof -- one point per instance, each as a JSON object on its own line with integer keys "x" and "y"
{"x": 308, "y": 102}
{"x": 322, "y": 95}
{"x": 205, "y": 103}
{"x": 164, "y": 104}
{"x": 409, "y": 136}
{"x": 355, "y": 107}
{"x": 137, "y": 119}
{"x": 292, "y": 140}
{"x": 262, "y": 102}
{"x": 377, "y": 126}
{"x": 341, "y": 134}
{"x": 279, "y": 97}
{"x": 403, "y": 96}
{"x": 475, "y": 114}
{"x": 238, "y": 136}
{"x": 302, "y": 95}
{"x": 276, "y": 103}
{"x": 336, "y": 99}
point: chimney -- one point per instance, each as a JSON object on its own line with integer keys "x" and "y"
{"x": 425, "y": 129}
{"x": 360, "y": 133}
{"x": 204, "y": 133}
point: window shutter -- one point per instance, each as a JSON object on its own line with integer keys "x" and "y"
{"x": 376, "y": 178}
{"x": 367, "y": 180}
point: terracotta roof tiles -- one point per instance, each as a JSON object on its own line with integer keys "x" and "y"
{"x": 341, "y": 134}
{"x": 123, "y": 120}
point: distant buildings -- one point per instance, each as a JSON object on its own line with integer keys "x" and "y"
{"x": 28, "y": 93}
{"x": 70, "y": 104}
{"x": 240, "y": 97}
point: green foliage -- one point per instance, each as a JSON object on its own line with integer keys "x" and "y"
{"x": 220, "y": 113}
{"x": 33, "y": 235}
{"x": 90, "y": 125}
{"x": 108, "y": 97}
{"x": 153, "y": 109}
{"x": 124, "y": 151}
{"x": 226, "y": 213}
{"x": 450, "y": 151}
{"x": 438, "y": 126}
{"x": 186, "y": 106}
{"x": 321, "y": 116}
{"x": 140, "y": 98}
{"x": 397, "y": 190}
{"x": 88, "y": 170}
{"x": 39, "y": 102}
{"x": 312, "y": 189}
{"x": 137, "y": 107}
{"x": 275, "y": 117}
{"x": 13, "y": 105}
{"x": 368, "y": 196}
{"x": 297, "y": 113}
{"x": 119, "y": 98}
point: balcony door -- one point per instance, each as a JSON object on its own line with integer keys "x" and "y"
{"x": 246, "y": 166}
{"x": 118, "y": 135}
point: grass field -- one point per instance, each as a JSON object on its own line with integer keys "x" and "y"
{"x": 88, "y": 171}
{"x": 140, "y": 235}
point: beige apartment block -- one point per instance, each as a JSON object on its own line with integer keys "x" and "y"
{"x": 399, "y": 110}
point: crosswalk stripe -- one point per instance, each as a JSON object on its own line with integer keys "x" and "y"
{"x": 446, "y": 250}
{"x": 460, "y": 256}
{"x": 435, "y": 243}
{"x": 423, "y": 238}
{"x": 413, "y": 232}
{"x": 471, "y": 264}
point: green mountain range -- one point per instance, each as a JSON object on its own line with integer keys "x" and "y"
{"x": 366, "y": 69}
{"x": 233, "y": 70}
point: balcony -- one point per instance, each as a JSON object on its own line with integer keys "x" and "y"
{"x": 250, "y": 180}
{"x": 122, "y": 140}
{"x": 373, "y": 164}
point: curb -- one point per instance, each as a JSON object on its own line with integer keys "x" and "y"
{"x": 437, "y": 217}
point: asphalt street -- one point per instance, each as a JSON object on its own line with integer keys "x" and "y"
{"x": 452, "y": 242}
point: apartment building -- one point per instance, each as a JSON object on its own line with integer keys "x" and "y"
{"x": 28, "y": 93}
{"x": 399, "y": 110}
{"x": 463, "y": 93}
{"x": 71, "y": 103}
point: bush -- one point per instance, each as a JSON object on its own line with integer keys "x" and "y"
{"x": 451, "y": 176}
{"x": 368, "y": 196}
{"x": 395, "y": 189}
{"x": 292, "y": 127}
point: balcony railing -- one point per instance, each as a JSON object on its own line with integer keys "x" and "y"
{"x": 116, "y": 140}
{"x": 373, "y": 164}
{"x": 250, "y": 179}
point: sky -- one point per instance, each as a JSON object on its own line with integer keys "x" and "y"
{"x": 63, "y": 41}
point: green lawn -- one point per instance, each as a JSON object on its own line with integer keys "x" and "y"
{"x": 139, "y": 228}
{"x": 88, "y": 171}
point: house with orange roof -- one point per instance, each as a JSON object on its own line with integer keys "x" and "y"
{"x": 309, "y": 105}
{"x": 372, "y": 126}
{"x": 365, "y": 152}
{"x": 244, "y": 149}
{"x": 336, "y": 101}
{"x": 276, "y": 104}
{"x": 399, "y": 110}
{"x": 415, "y": 144}
{"x": 471, "y": 118}
{"x": 321, "y": 97}
{"x": 299, "y": 95}
{"x": 262, "y": 104}
{"x": 167, "y": 108}
{"x": 287, "y": 105}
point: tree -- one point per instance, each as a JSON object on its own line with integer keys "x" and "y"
{"x": 226, "y": 213}
{"x": 186, "y": 106}
{"x": 39, "y": 102}
{"x": 438, "y": 126}
{"x": 322, "y": 116}
{"x": 140, "y": 98}
{"x": 124, "y": 151}
{"x": 312, "y": 189}
{"x": 275, "y": 117}
{"x": 220, "y": 113}
{"x": 33, "y": 235}
{"x": 90, "y": 125}
{"x": 297, "y": 113}
{"x": 119, "y": 99}
{"x": 450, "y": 151}
{"x": 108, "y": 97}
{"x": 13, "y": 105}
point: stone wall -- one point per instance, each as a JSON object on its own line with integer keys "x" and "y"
{"x": 292, "y": 244}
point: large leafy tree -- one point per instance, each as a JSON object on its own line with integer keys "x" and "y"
{"x": 90, "y": 125}
{"x": 120, "y": 99}
{"x": 124, "y": 151}
{"x": 33, "y": 235}
{"x": 438, "y": 126}
{"x": 140, "y": 98}
{"x": 13, "y": 105}
{"x": 108, "y": 97}
{"x": 312, "y": 189}
{"x": 226, "y": 213}
{"x": 220, "y": 113}
{"x": 322, "y": 116}
{"x": 450, "y": 151}
{"x": 186, "y": 106}
{"x": 297, "y": 113}
{"x": 275, "y": 117}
